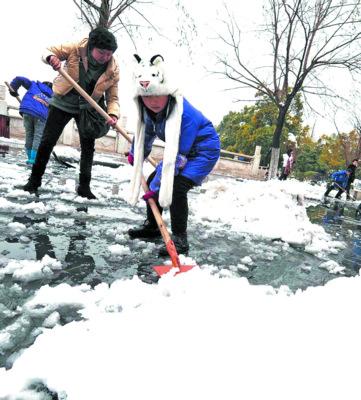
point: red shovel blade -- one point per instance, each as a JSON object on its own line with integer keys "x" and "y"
{"x": 163, "y": 269}
{"x": 172, "y": 251}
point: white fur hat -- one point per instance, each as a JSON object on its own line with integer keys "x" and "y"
{"x": 152, "y": 79}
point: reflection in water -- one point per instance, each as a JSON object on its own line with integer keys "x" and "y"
{"x": 343, "y": 223}
{"x": 4, "y": 149}
{"x": 356, "y": 244}
{"x": 334, "y": 215}
{"x": 78, "y": 264}
{"x": 77, "y": 261}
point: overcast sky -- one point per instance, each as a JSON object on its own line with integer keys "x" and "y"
{"x": 28, "y": 27}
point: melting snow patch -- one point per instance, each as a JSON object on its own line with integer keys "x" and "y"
{"x": 16, "y": 228}
{"x": 332, "y": 267}
{"x": 119, "y": 250}
{"x": 28, "y": 270}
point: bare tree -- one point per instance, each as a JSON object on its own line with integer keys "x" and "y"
{"x": 130, "y": 16}
{"x": 307, "y": 37}
{"x": 357, "y": 129}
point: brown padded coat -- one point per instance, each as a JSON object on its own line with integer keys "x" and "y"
{"x": 107, "y": 82}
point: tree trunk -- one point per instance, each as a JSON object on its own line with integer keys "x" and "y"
{"x": 273, "y": 167}
{"x": 275, "y": 155}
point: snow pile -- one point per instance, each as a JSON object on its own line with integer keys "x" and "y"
{"x": 35, "y": 207}
{"x": 27, "y": 270}
{"x": 263, "y": 209}
{"x": 194, "y": 336}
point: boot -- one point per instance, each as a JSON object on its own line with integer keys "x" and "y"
{"x": 32, "y": 157}
{"x": 181, "y": 244}
{"x": 84, "y": 185}
{"x": 148, "y": 230}
{"x": 31, "y": 186}
{"x": 84, "y": 191}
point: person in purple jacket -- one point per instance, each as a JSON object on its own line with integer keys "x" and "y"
{"x": 34, "y": 109}
{"x": 192, "y": 148}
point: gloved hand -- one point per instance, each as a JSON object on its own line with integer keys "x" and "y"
{"x": 130, "y": 158}
{"x": 149, "y": 194}
{"x": 13, "y": 93}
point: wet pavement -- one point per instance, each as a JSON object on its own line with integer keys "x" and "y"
{"x": 79, "y": 234}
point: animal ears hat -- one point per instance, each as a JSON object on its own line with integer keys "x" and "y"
{"x": 151, "y": 78}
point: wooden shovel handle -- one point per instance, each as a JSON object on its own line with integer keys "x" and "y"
{"x": 95, "y": 105}
{"x": 11, "y": 89}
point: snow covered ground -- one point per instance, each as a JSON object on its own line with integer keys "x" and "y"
{"x": 205, "y": 334}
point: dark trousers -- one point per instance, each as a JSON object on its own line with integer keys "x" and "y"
{"x": 333, "y": 186}
{"x": 57, "y": 119}
{"x": 178, "y": 208}
{"x": 283, "y": 176}
{"x": 347, "y": 190}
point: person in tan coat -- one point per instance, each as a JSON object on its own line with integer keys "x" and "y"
{"x": 91, "y": 63}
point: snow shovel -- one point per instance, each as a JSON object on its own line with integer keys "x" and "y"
{"x": 171, "y": 249}
{"x": 54, "y": 154}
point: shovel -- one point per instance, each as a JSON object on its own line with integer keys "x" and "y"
{"x": 171, "y": 249}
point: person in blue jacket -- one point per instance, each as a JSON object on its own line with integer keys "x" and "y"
{"x": 339, "y": 182}
{"x": 34, "y": 110}
{"x": 192, "y": 148}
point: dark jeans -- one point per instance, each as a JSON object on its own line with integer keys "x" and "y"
{"x": 57, "y": 119}
{"x": 179, "y": 206}
{"x": 34, "y": 128}
{"x": 347, "y": 190}
{"x": 333, "y": 186}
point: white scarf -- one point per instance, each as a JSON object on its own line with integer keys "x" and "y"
{"x": 172, "y": 134}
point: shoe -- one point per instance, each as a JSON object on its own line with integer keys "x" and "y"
{"x": 31, "y": 186}
{"x": 84, "y": 191}
{"x": 32, "y": 157}
{"x": 148, "y": 230}
{"x": 181, "y": 244}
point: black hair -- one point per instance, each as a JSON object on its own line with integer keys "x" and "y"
{"x": 102, "y": 39}
{"x": 289, "y": 151}
{"x": 49, "y": 84}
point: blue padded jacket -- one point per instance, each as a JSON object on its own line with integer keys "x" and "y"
{"x": 198, "y": 141}
{"x": 36, "y": 100}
